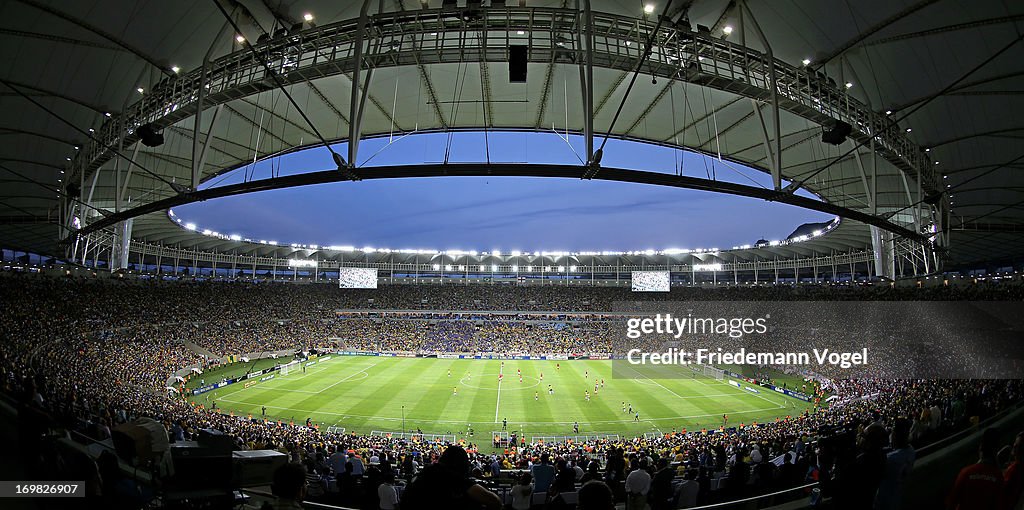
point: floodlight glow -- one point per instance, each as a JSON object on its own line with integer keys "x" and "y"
{"x": 572, "y": 269}
{"x": 520, "y": 32}
{"x": 293, "y": 263}
{"x": 494, "y": 268}
{"x": 707, "y": 267}
{"x": 774, "y": 243}
{"x": 529, "y": 269}
{"x": 648, "y": 8}
{"x": 175, "y": 69}
{"x": 806, "y": 61}
{"x": 307, "y": 17}
{"x": 727, "y": 30}
{"x": 909, "y": 130}
{"x": 849, "y": 85}
{"x": 190, "y": 226}
{"x": 816, "y": 233}
{"x": 240, "y": 38}
{"x": 515, "y": 269}
{"x": 235, "y": 237}
{"x": 107, "y": 114}
{"x": 927, "y": 150}
{"x": 516, "y": 253}
{"x": 888, "y": 112}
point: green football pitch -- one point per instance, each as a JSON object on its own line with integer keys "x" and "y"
{"x": 448, "y": 396}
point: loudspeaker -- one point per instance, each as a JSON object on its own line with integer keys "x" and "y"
{"x": 150, "y": 138}
{"x": 517, "y": 63}
{"x": 837, "y": 135}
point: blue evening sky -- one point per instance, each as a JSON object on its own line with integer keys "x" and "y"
{"x": 483, "y": 214}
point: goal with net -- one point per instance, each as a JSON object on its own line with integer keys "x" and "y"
{"x": 288, "y": 367}
{"x": 714, "y": 373}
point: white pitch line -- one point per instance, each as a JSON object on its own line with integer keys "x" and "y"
{"x": 497, "y": 405}
{"x": 349, "y": 377}
{"x": 655, "y": 382}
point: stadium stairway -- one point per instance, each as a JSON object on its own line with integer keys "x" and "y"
{"x": 199, "y": 350}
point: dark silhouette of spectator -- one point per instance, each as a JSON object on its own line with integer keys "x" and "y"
{"x": 898, "y": 464}
{"x": 980, "y": 485}
{"x": 543, "y": 474}
{"x": 595, "y": 495}
{"x": 1013, "y": 476}
{"x": 289, "y": 487}
{"x": 662, "y": 496}
{"x": 447, "y": 485}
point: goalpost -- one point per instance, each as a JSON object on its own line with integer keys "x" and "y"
{"x": 714, "y": 373}
{"x": 287, "y": 367}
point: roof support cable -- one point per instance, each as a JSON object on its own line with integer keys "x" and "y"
{"x": 596, "y": 163}
{"x": 795, "y": 184}
{"x": 344, "y": 166}
{"x": 89, "y": 135}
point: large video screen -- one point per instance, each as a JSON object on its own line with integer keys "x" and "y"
{"x": 650, "y": 281}
{"x": 357, "y": 278}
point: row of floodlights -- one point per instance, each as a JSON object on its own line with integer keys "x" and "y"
{"x": 498, "y": 253}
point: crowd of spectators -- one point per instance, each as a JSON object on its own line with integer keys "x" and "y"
{"x": 90, "y": 355}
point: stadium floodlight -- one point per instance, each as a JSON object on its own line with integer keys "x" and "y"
{"x": 516, "y": 253}
{"x": 515, "y": 269}
{"x": 175, "y": 69}
{"x": 190, "y": 226}
{"x": 494, "y": 267}
{"x": 307, "y": 17}
{"x": 648, "y": 8}
{"x": 235, "y": 237}
{"x": 496, "y": 253}
{"x": 806, "y": 61}
{"x": 774, "y": 243}
{"x": 296, "y": 263}
{"x": 849, "y": 85}
{"x": 520, "y": 32}
{"x": 572, "y": 269}
{"x": 240, "y": 38}
{"x": 727, "y": 30}
{"x": 141, "y": 90}
{"x": 529, "y": 269}
{"x": 816, "y": 233}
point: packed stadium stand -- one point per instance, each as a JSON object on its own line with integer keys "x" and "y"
{"x": 152, "y": 360}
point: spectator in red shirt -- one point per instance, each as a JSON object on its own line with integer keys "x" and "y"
{"x": 979, "y": 486}
{"x": 1013, "y": 477}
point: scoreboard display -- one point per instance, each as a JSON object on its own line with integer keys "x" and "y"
{"x": 357, "y": 278}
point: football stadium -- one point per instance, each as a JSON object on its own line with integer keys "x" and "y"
{"x": 512, "y": 254}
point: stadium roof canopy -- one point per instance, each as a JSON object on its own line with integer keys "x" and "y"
{"x": 930, "y": 88}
